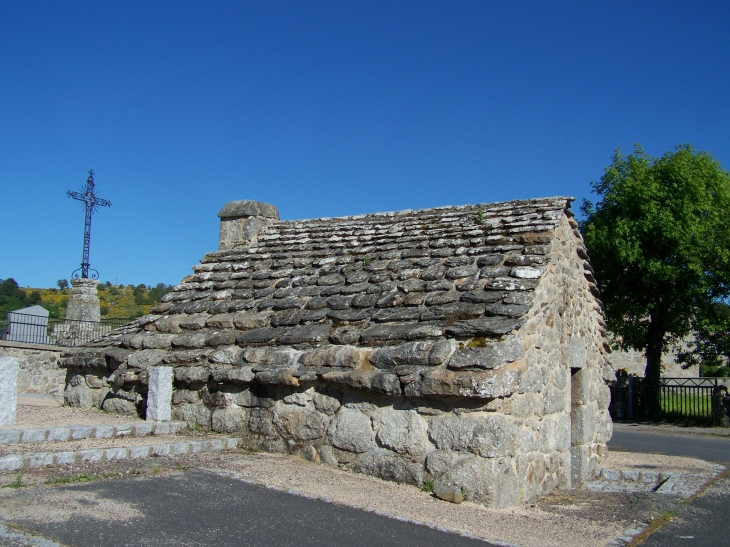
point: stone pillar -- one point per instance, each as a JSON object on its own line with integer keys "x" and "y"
{"x": 84, "y": 302}
{"x": 8, "y": 389}
{"x": 159, "y": 394}
{"x": 242, "y": 221}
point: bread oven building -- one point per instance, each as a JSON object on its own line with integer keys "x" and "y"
{"x": 459, "y": 345}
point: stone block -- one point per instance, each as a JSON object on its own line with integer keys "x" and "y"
{"x": 142, "y": 430}
{"x": 388, "y": 467}
{"x": 489, "y": 436}
{"x": 81, "y": 432}
{"x": 59, "y": 434}
{"x": 450, "y": 493}
{"x": 39, "y": 459}
{"x": 160, "y": 450}
{"x": 229, "y": 419}
{"x": 159, "y": 394}
{"x": 403, "y": 432}
{"x": 579, "y": 466}
{"x": 139, "y": 452}
{"x": 494, "y": 355}
{"x": 198, "y": 447}
{"x": 33, "y": 435}
{"x": 8, "y": 389}
{"x": 583, "y": 425}
{"x": 216, "y": 445}
{"x": 180, "y": 449}
{"x": 116, "y": 453}
{"x": 65, "y": 458}
{"x": 176, "y": 427}
{"x": 8, "y": 436}
{"x": 232, "y": 442}
{"x": 104, "y": 431}
{"x": 580, "y": 392}
{"x": 92, "y": 455}
{"x": 492, "y": 482}
{"x": 11, "y": 463}
{"x": 350, "y": 430}
{"x": 123, "y": 430}
{"x": 162, "y": 429}
{"x": 299, "y": 424}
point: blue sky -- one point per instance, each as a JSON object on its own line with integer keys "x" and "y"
{"x": 326, "y": 109}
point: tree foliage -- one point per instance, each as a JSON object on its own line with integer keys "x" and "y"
{"x": 12, "y": 297}
{"x": 659, "y": 241}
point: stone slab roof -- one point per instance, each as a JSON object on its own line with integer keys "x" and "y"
{"x": 304, "y": 298}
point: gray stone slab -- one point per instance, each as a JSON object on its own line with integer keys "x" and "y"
{"x": 139, "y": 452}
{"x": 162, "y": 429}
{"x": 160, "y": 450}
{"x": 81, "y": 432}
{"x": 117, "y": 453}
{"x": 11, "y": 463}
{"x": 142, "y": 430}
{"x": 180, "y": 449}
{"x": 159, "y": 394}
{"x": 232, "y": 442}
{"x": 33, "y": 435}
{"x": 216, "y": 445}
{"x": 64, "y": 458}
{"x": 123, "y": 430}
{"x": 8, "y": 436}
{"x": 91, "y": 455}
{"x": 59, "y": 434}
{"x": 104, "y": 431}
{"x": 199, "y": 446}
{"x": 39, "y": 459}
{"x": 8, "y": 389}
{"x": 175, "y": 427}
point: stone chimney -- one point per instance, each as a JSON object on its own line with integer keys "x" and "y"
{"x": 242, "y": 221}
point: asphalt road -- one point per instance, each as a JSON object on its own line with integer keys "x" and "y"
{"x": 704, "y": 520}
{"x": 713, "y": 449}
{"x": 198, "y": 508}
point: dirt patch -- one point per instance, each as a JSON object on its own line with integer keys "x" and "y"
{"x": 32, "y": 416}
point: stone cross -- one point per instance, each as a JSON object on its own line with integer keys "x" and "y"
{"x": 91, "y": 202}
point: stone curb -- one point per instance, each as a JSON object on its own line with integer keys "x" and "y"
{"x": 79, "y": 432}
{"x": 47, "y": 459}
{"x": 673, "y": 483}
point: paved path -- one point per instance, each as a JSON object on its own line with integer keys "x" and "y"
{"x": 703, "y": 521}
{"x": 199, "y": 508}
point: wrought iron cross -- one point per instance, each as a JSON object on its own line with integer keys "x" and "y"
{"x": 91, "y": 202}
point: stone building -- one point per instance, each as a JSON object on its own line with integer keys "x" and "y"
{"x": 459, "y": 345}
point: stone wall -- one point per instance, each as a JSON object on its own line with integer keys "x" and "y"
{"x": 38, "y": 368}
{"x": 635, "y": 363}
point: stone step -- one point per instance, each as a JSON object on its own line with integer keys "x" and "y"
{"x": 79, "y": 432}
{"x": 170, "y": 448}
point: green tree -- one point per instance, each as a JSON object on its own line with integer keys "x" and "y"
{"x": 659, "y": 241}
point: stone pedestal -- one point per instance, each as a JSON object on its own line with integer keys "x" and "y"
{"x": 8, "y": 389}
{"x": 159, "y": 394}
{"x": 84, "y": 302}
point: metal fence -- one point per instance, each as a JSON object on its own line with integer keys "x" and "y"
{"x": 35, "y": 329}
{"x": 670, "y": 399}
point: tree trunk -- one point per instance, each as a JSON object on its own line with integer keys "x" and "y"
{"x": 653, "y": 372}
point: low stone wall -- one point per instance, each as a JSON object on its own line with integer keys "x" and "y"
{"x": 38, "y": 370}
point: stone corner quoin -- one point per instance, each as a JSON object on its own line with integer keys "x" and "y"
{"x": 460, "y": 345}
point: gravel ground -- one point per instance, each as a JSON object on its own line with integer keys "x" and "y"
{"x": 566, "y": 518}
{"x": 29, "y": 416}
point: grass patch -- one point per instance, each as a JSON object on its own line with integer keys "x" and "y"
{"x": 73, "y": 479}
{"x": 427, "y": 486}
{"x": 17, "y": 483}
